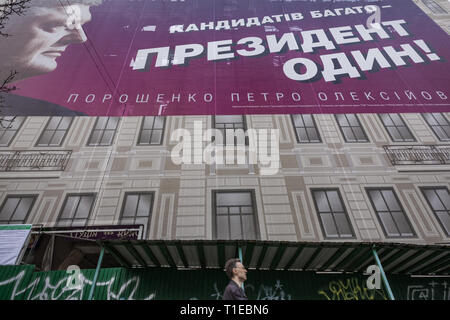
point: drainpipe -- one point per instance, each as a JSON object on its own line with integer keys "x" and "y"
{"x": 242, "y": 260}
{"x": 97, "y": 271}
{"x": 383, "y": 275}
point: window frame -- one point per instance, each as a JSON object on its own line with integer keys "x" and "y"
{"x": 359, "y": 125}
{"x": 315, "y": 127}
{"x": 431, "y": 207}
{"x": 395, "y": 126}
{"x": 34, "y": 196}
{"x": 17, "y": 131}
{"x": 45, "y": 128}
{"x": 138, "y": 143}
{"x": 65, "y": 203}
{"x": 254, "y": 206}
{"x": 414, "y": 236}
{"x": 122, "y": 210}
{"x": 432, "y": 127}
{"x": 325, "y": 189}
{"x": 93, "y": 129}
{"x": 432, "y": 4}
{"x": 235, "y": 138}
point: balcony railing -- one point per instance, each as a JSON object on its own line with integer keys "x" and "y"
{"x": 54, "y": 160}
{"x": 418, "y": 154}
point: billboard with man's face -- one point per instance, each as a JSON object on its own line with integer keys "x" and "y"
{"x": 203, "y": 57}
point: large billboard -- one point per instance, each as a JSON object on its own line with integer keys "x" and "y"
{"x": 202, "y": 57}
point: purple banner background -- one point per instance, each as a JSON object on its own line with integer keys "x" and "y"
{"x": 115, "y": 35}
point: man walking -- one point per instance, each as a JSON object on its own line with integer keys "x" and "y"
{"x": 238, "y": 274}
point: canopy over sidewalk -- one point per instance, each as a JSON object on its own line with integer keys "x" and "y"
{"x": 396, "y": 258}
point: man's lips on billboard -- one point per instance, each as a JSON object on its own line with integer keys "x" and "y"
{"x": 54, "y": 53}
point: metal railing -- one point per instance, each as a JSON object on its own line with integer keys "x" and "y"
{"x": 418, "y": 154}
{"x": 45, "y": 160}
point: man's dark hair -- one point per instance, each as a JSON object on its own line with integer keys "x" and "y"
{"x": 229, "y": 265}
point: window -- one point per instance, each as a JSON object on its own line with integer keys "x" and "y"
{"x": 439, "y": 201}
{"x": 390, "y": 213}
{"x": 224, "y": 123}
{"x": 305, "y": 128}
{"x": 55, "y": 131}
{"x": 15, "y": 209}
{"x": 8, "y": 129}
{"x": 235, "y": 215}
{"x": 76, "y": 210}
{"x": 396, "y": 127}
{"x": 434, "y": 7}
{"x": 351, "y": 128}
{"x": 104, "y": 131}
{"x": 332, "y": 213}
{"x": 439, "y": 124}
{"x": 152, "y": 131}
{"x": 137, "y": 209}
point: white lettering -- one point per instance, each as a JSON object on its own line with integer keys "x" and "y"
{"x": 143, "y": 57}
{"x": 291, "y": 66}
{"x": 330, "y": 72}
{"x": 367, "y": 63}
{"x": 220, "y": 50}
{"x": 322, "y": 40}
{"x": 277, "y": 46}
{"x": 397, "y": 56}
{"x": 186, "y": 51}
{"x": 253, "y": 43}
{"x": 141, "y": 99}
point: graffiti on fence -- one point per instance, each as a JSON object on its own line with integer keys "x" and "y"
{"x": 351, "y": 289}
{"x": 431, "y": 291}
{"x": 125, "y": 284}
{"x": 42, "y": 288}
{"x": 275, "y": 292}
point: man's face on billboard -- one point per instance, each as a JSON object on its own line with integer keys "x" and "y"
{"x": 42, "y": 35}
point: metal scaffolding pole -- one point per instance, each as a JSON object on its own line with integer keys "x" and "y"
{"x": 383, "y": 275}
{"x": 242, "y": 260}
{"x": 97, "y": 271}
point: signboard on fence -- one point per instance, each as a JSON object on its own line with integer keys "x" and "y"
{"x": 13, "y": 238}
{"x": 204, "y": 57}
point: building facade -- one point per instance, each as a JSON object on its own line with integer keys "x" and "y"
{"x": 365, "y": 177}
